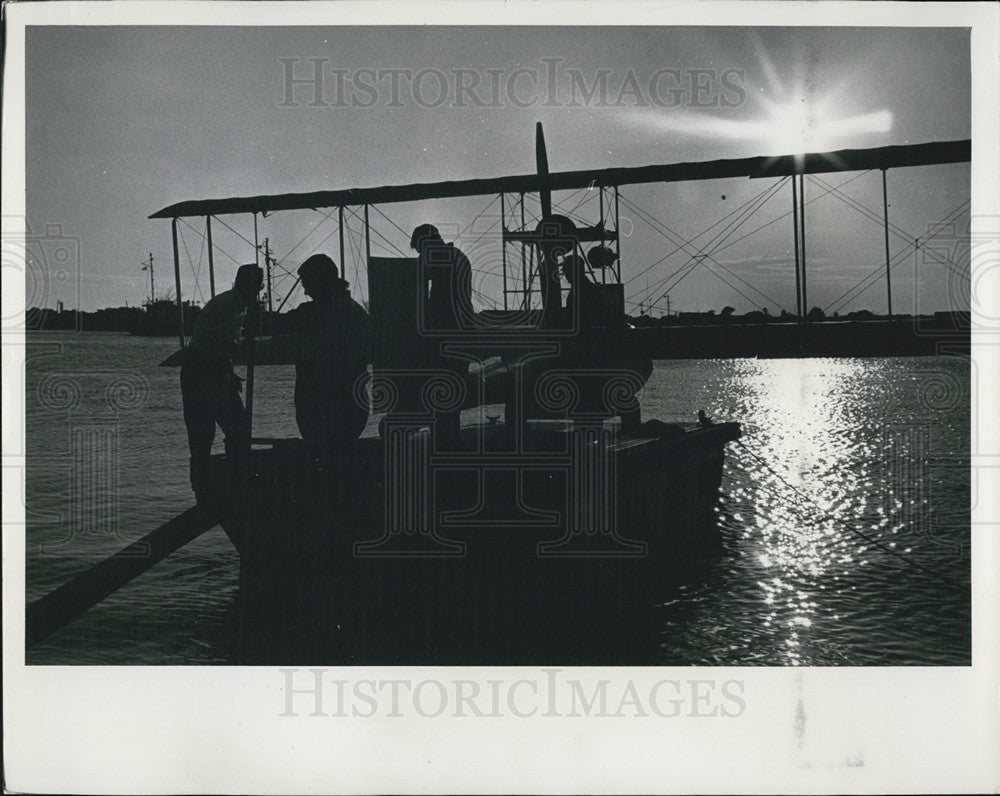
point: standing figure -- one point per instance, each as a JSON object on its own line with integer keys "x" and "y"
{"x": 209, "y": 387}
{"x": 446, "y": 276}
{"x": 334, "y": 354}
{"x": 447, "y": 273}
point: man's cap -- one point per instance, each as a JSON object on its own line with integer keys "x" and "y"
{"x": 319, "y": 264}
{"x": 424, "y": 232}
{"x": 601, "y": 257}
{"x": 556, "y": 227}
{"x": 249, "y": 273}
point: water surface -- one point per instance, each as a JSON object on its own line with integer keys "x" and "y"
{"x": 844, "y": 509}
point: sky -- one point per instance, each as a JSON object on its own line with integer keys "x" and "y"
{"x": 123, "y": 121}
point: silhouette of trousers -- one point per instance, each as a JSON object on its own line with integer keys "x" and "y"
{"x": 210, "y": 397}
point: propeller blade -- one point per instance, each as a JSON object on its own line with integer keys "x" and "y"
{"x": 542, "y": 162}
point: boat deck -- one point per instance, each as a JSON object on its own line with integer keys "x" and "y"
{"x": 499, "y": 550}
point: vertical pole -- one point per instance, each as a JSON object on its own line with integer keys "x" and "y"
{"x": 152, "y": 284}
{"x": 340, "y": 229}
{"x": 177, "y": 279}
{"x": 503, "y": 247}
{"x": 618, "y": 239}
{"x": 600, "y": 199}
{"x": 795, "y": 225}
{"x": 267, "y": 264}
{"x": 211, "y": 256}
{"x": 368, "y": 240}
{"x": 256, "y": 244}
{"x": 524, "y": 261}
{"x": 885, "y": 216}
{"x": 802, "y": 220}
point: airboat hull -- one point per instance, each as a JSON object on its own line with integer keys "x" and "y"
{"x": 495, "y": 567}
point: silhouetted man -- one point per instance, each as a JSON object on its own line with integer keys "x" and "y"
{"x": 583, "y": 302}
{"x": 209, "y": 387}
{"x": 335, "y": 347}
{"x": 448, "y": 303}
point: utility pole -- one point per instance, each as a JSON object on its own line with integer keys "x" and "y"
{"x": 267, "y": 266}
{"x": 147, "y": 265}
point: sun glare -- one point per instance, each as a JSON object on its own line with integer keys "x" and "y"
{"x": 801, "y": 127}
{"x": 787, "y": 115}
{"x": 796, "y": 130}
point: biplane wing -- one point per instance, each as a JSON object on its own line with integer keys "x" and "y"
{"x": 762, "y": 166}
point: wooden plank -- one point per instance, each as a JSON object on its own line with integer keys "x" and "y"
{"x": 77, "y": 596}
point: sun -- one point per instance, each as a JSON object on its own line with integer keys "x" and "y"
{"x": 796, "y": 129}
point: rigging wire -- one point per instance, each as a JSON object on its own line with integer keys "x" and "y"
{"x": 718, "y": 249}
{"x": 388, "y": 245}
{"x": 215, "y": 246}
{"x": 478, "y": 216}
{"x": 738, "y": 210}
{"x": 197, "y": 284}
{"x": 763, "y": 197}
{"x": 729, "y": 271}
{"x": 748, "y": 209}
{"x": 237, "y": 234}
{"x": 899, "y": 232}
{"x": 861, "y": 207}
{"x": 784, "y": 216}
{"x": 326, "y": 217}
{"x": 873, "y": 278}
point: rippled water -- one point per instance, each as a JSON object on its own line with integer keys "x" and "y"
{"x": 847, "y": 466}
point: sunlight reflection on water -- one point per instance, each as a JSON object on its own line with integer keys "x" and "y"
{"x": 834, "y": 451}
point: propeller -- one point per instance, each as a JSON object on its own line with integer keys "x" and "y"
{"x": 542, "y": 163}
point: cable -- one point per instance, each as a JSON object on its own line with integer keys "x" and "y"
{"x": 237, "y": 234}
{"x": 786, "y": 215}
{"x": 872, "y": 278}
{"x": 770, "y": 192}
{"x": 738, "y": 210}
{"x": 898, "y": 231}
{"x": 747, "y": 210}
{"x": 187, "y": 253}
